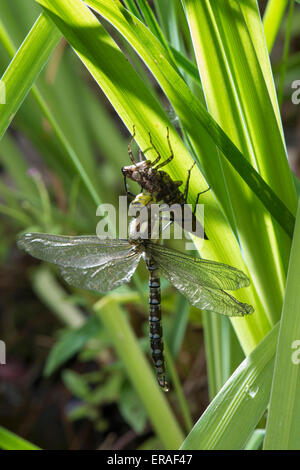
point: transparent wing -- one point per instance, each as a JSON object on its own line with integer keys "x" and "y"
{"x": 202, "y": 291}
{"x": 82, "y": 252}
{"x": 85, "y": 261}
{"x": 196, "y": 271}
{"x": 207, "y": 298}
{"x": 104, "y": 277}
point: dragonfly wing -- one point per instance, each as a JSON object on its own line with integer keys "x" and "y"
{"x": 203, "y": 290}
{"x": 207, "y": 298}
{"x": 85, "y": 261}
{"x": 198, "y": 272}
{"x": 82, "y": 251}
{"x": 104, "y": 277}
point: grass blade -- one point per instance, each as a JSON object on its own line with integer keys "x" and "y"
{"x": 234, "y": 413}
{"x": 272, "y": 20}
{"x": 187, "y": 65}
{"x": 238, "y": 98}
{"x": 26, "y": 66}
{"x": 285, "y": 52}
{"x": 10, "y": 441}
{"x": 283, "y": 426}
{"x": 85, "y": 171}
{"x": 255, "y": 440}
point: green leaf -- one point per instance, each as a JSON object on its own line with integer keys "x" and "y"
{"x": 79, "y": 385}
{"x": 272, "y": 20}
{"x": 132, "y": 7}
{"x": 187, "y": 65}
{"x": 238, "y": 96}
{"x": 82, "y": 411}
{"x": 296, "y": 183}
{"x": 153, "y": 24}
{"x": 132, "y": 410}
{"x": 13, "y": 161}
{"x": 283, "y": 426}
{"x": 70, "y": 343}
{"x": 55, "y": 297}
{"x": 223, "y": 351}
{"x": 26, "y": 66}
{"x": 232, "y": 416}
{"x": 76, "y": 383}
{"x": 285, "y": 55}
{"x": 10, "y": 441}
{"x": 177, "y": 330}
{"x": 23, "y": 61}
{"x": 256, "y": 440}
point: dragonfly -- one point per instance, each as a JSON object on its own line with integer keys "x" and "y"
{"x": 102, "y": 265}
{"x": 160, "y": 185}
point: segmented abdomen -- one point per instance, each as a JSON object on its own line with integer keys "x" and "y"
{"x": 156, "y": 342}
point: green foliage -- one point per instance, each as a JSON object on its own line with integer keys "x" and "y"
{"x": 208, "y": 62}
{"x": 231, "y": 417}
{"x": 70, "y": 343}
{"x": 282, "y": 430}
{"x": 10, "y": 441}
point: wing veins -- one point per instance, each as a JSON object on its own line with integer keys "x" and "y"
{"x": 205, "y": 272}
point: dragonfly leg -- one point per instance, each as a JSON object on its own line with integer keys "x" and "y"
{"x": 128, "y": 193}
{"x": 202, "y": 192}
{"x": 195, "y": 208}
{"x": 171, "y": 151}
{"x": 186, "y": 189}
{"x": 141, "y": 156}
{"x": 155, "y": 148}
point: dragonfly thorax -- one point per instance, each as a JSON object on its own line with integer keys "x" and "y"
{"x": 153, "y": 181}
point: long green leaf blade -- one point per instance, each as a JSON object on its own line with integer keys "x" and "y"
{"x": 10, "y": 441}
{"x": 26, "y": 66}
{"x": 238, "y": 98}
{"x": 272, "y": 20}
{"x": 49, "y": 114}
{"x": 232, "y": 416}
{"x": 283, "y": 426}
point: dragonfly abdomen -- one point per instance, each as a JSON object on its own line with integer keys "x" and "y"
{"x": 156, "y": 342}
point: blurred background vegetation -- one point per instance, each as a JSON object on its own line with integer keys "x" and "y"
{"x": 79, "y": 397}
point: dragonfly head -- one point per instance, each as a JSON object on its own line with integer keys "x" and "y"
{"x": 136, "y": 172}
